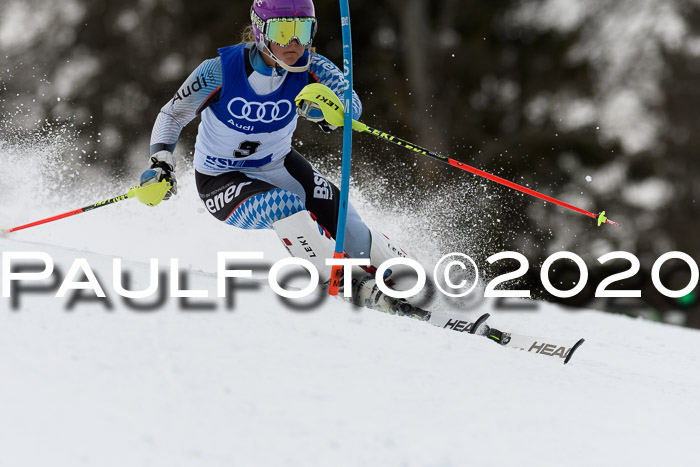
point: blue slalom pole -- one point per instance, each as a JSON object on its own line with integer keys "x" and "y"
{"x": 336, "y": 271}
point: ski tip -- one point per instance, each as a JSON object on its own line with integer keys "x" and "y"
{"x": 573, "y": 349}
{"x": 482, "y": 319}
{"x": 4, "y": 232}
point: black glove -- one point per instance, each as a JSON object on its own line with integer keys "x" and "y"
{"x": 312, "y": 112}
{"x": 326, "y": 127}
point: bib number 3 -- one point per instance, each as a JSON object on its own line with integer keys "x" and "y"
{"x": 246, "y": 148}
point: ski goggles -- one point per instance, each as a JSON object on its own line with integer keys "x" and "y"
{"x": 282, "y": 31}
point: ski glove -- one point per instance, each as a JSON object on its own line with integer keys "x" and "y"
{"x": 162, "y": 168}
{"x": 313, "y": 113}
{"x": 326, "y": 127}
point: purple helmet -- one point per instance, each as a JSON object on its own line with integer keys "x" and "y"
{"x": 264, "y": 10}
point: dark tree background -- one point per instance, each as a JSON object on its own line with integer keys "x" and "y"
{"x": 590, "y": 102}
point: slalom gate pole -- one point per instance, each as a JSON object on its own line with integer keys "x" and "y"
{"x": 150, "y": 195}
{"x": 362, "y": 128}
{"x": 336, "y": 271}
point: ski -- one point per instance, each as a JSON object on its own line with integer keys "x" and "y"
{"x": 563, "y": 349}
{"x": 557, "y": 348}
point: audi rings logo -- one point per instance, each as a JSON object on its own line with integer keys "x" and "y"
{"x": 264, "y": 112}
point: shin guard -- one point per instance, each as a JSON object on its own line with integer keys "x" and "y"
{"x": 304, "y": 238}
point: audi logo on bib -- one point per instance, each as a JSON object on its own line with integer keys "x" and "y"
{"x": 263, "y": 112}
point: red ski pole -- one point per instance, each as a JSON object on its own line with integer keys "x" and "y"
{"x": 149, "y": 194}
{"x": 361, "y": 127}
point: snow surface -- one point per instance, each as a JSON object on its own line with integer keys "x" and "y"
{"x": 263, "y": 384}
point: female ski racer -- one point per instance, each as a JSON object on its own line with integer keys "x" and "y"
{"x": 246, "y": 171}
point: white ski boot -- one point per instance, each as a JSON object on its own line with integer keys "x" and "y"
{"x": 366, "y": 293}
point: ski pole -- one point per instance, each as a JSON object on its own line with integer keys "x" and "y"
{"x": 332, "y": 111}
{"x": 362, "y": 128}
{"x": 149, "y": 194}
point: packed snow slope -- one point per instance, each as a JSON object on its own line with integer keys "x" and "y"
{"x": 260, "y": 383}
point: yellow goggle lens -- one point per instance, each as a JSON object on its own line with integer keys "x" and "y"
{"x": 281, "y": 31}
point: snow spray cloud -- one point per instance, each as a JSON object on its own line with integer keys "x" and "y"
{"x": 45, "y": 161}
{"x": 430, "y": 218}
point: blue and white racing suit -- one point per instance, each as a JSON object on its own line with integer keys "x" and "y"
{"x": 247, "y": 173}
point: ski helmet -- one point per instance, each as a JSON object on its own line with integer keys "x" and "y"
{"x": 280, "y": 21}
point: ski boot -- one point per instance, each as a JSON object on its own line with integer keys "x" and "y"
{"x": 366, "y": 293}
{"x": 480, "y": 328}
{"x": 497, "y": 336}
